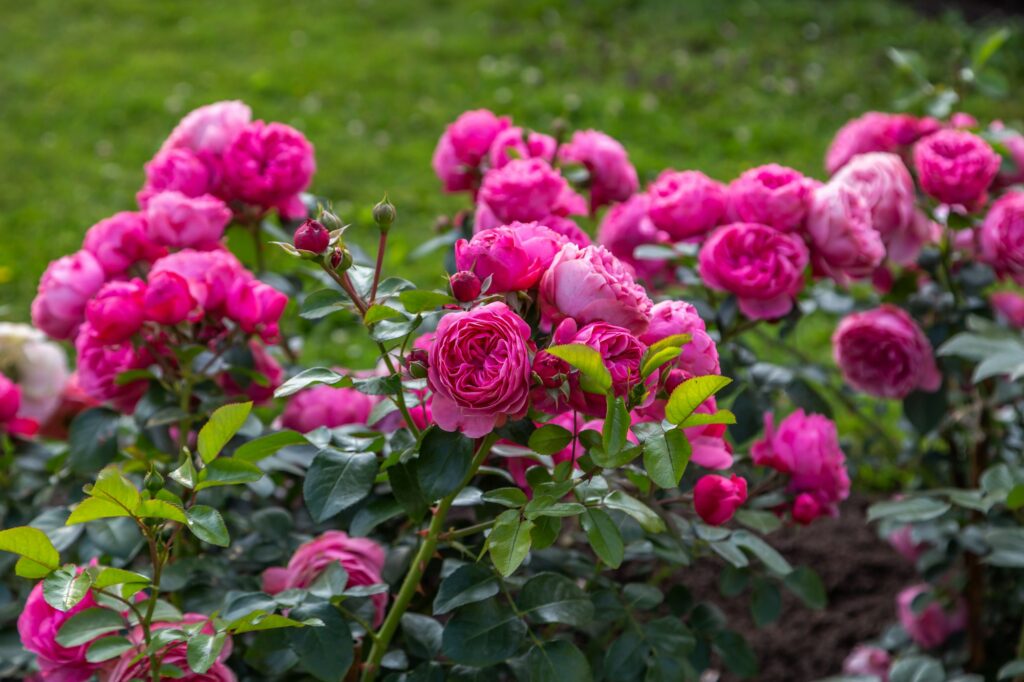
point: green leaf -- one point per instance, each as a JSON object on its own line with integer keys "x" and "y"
{"x": 207, "y": 525}
{"x": 38, "y": 555}
{"x": 704, "y": 419}
{"x": 925, "y": 410}
{"x": 805, "y": 584}
{"x": 554, "y": 598}
{"x": 549, "y": 439}
{"x": 482, "y": 634}
{"x": 616, "y": 426}
{"x": 589, "y": 363}
{"x": 92, "y": 439}
{"x": 92, "y": 508}
{"x": 222, "y": 426}
{"x": 466, "y": 585}
{"x": 65, "y": 587}
{"x": 444, "y": 461}
{"x": 643, "y": 514}
{"x": 106, "y": 648}
{"x": 763, "y": 522}
{"x": 202, "y": 651}
{"x": 326, "y": 651}
{"x": 160, "y": 509}
{"x": 689, "y": 395}
{"x": 671, "y": 341}
{"x": 228, "y": 471}
{"x": 422, "y": 635}
{"x": 185, "y": 474}
{"x": 87, "y": 625}
{"x": 113, "y": 486}
{"x": 1015, "y": 498}
{"x": 406, "y": 487}
{"x": 421, "y": 300}
{"x": 666, "y": 454}
{"x": 108, "y": 576}
{"x": 309, "y": 377}
{"x": 653, "y": 362}
{"x": 257, "y": 621}
{"x": 509, "y": 541}
{"x": 267, "y": 445}
{"x": 378, "y": 312}
{"x": 604, "y": 537}
{"x": 1011, "y": 669}
{"x": 624, "y": 659}
{"x": 916, "y": 669}
{"x": 908, "y": 510}
{"x": 768, "y": 555}
{"x": 506, "y": 497}
{"x": 1007, "y": 547}
{"x": 736, "y": 653}
{"x": 557, "y": 661}
{"x": 322, "y": 303}
{"x": 390, "y": 384}
{"x": 544, "y": 506}
{"x": 987, "y": 45}
{"x": 373, "y": 514}
{"x": 765, "y": 603}
{"x": 337, "y": 480}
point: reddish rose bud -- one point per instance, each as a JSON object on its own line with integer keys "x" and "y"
{"x": 312, "y": 236}
{"x": 465, "y": 286}
{"x": 168, "y": 299}
{"x": 341, "y": 260}
{"x": 716, "y": 498}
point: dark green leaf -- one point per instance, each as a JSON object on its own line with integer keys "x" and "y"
{"x": 805, "y": 396}
{"x": 736, "y": 653}
{"x": 616, "y": 426}
{"x": 376, "y": 512}
{"x": 643, "y": 514}
{"x": 421, "y": 300}
{"x": 406, "y": 487}
{"x": 207, "y": 525}
{"x": 92, "y": 439}
{"x": 604, "y": 537}
{"x": 506, "y": 497}
{"x": 325, "y": 651}
{"x": 925, "y": 410}
{"x": 666, "y": 455}
{"x": 378, "y": 312}
{"x": 916, "y": 669}
{"x": 106, "y": 648}
{"x": 625, "y": 657}
{"x": 422, "y": 635}
{"x": 805, "y": 584}
{"x": 908, "y": 510}
{"x": 337, "y": 480}
{"x": 482, "y": 633}
{"x": 444, "y": 461}
{"x": 553, "y": 598}
{"x": 467, "y": 584}
{"x": 322, "y": 303}
{"x": 266, "y": 445}
{"x": 557, "y": 661}
{"x": 549, "y": 439}
{"x": 765, "y": 603}
{"x": 228, "y": 471}
{"x": 87, "y": 625}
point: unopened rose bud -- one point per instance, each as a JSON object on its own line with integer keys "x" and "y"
{"x": 341, "y": 259}
{"x": 154, "y": 482}
{"x": 465, "y": 286}
{"x": 330, "y": 221}
{"x": 384, "y": 214}
{"x": 417, "y": 361}
{"x": 312, "y": 236}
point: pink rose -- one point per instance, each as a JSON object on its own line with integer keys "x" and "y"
{"x": 454, "y": 175}
{"x": 10, "y": 399}
{"x": 716, "y": 498}
{"x": 567, "y": 228}
{"x": 955, "y": 167}
{"x": 1012, "y": 172}
{"x": 883, "y": 353}
{"x": 513, "y": 256}
{"x": 38, "y": 625}
{"x": 961, "y": 119}
{"x": 885, "y": 184}
{"x": 472, "y": 134}
{"x": 1001, "y": 236}
{"x": 931, "y": 626}
{"x": 129, "y": 669}
{"x": 527, "y": 190}
{"x": 902, "y": 540}
{"x": 120, "y": 241}
{"x": 686, "y": 204}
{"x": 65, "y": 287}
{"x": 326, "y": 406}
{"x": 844, "y": 246}
{"x": 872, "y": 132}
{"x": 763, "y": 267}
{"x": 479, "y": 369}
{"x": 771, "y": 195}
{"x": 168, "y": 299}
{"x": 362, "y": 559}
{"x": 268, "y": 163}
{"x": 1009, "y": 305}
{"x": 256, "y": 307}
{"x": 178, "y": 221}
{"x": 99, "y": 365}
{"x": 700, "y": 354}
{"x": 869, "y": 661}
{"x": 210, "y": 274}
{"x": 612, "y": 177}
{"x": 805, "y": 447}
{"x": 117, "y": 311}
{"x": 592, "y": 285}
{"x": 515, "y": 143}
{"x": 263, "y": 363}
{"x": 210, "y": 128}
{"x": 176, "y": 170}
{"x": 627, "y": 226}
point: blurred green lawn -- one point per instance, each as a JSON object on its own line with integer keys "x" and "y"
{"x": 88, "y": 90}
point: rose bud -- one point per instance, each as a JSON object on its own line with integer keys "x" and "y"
{"x": 465, "y": 286}
{"x": 312, "y": 236}
{"x": 167, "y": 299}
{"x": 384, "y": 214}
{"x": 117, "y": 311}
{"x": 341, "y": 259}
{"x": 716, "y": 498}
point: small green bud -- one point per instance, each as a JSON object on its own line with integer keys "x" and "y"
{"x": 384, "y": 214}
{"x": 330, "y": 221}
{"x": 341, "y": 259}
{"x": 154, "y": 482}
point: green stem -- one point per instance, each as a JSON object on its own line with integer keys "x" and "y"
{"x": 419, "y": 565}
{"x": 381, "y": 246}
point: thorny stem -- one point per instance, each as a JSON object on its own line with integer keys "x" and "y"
{"x": 382, "y": 245}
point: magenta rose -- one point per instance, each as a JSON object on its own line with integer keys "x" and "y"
{"x": 513, "y": 256}
{"x": 869, "y": 661}
{"x": 771, "y": 195}
{"x": 38, "y": 625}
{"x": 526, "y": 190}
{"x": 716, "y": 498}
{"x": 627, "y": 226}
{"x": 117, "y": 311}
{"x": 168, "y": 299}
{"x": 805, "y": 447}
{"x": 567, "y": 228}
{"x": 210, "y": 274}
{"x": 592, "y": 285}
{"x": 686, "y": 204}
{"x": 179, "y": 221}
{"x": 844, "y": 246}
{"x": 1009, "y": 305}
{"x": 515, "y": 143}
{"x": 10, "y": 399}
{"x": 99, "y": 365}
{"x": 454, "y": 175}
{"x": 700, "y": 354}
{"x": 472, "y": 134}
{"x": 65, "y": 287}
{"x": 763, "y": 267}
{"x": 129, "y": 669}
{"x": 612, "y": 177}
{"x": 362, "y": 559}
{"x": 176, "y": 170}
{"x": 263, "y": 363}
{"x": 1001, "y": 236}
{"x": 120, "y": 241}
{"x": 326, "y": 406}
{"x": 955, "y": 167}
{"x": 479, "y": 369}
{"x": 268, "y": 163}
{"x": 876, "y": 132}
{"x": 210, "y": 128}
{"x": 256, "y": 307}
{"x": 932, "y": 625}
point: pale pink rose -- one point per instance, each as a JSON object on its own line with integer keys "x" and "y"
{"x": 129, "y": 669}
{"x": 256, "y": 307}
{"x": 263, "y": 363}
{"x": 961, "y": 119}
{"x": 627, "y": 226}
{"x": 931, "y": 626}
{"x": 65, "y": 287}
{"x": 168, "y": 299}
{"x": 1010, "y": 307}
{"x": 120, "y": 241}
{"x": 612, "y": 177}
{"x": 700, "y": 354}
{"x": 514, "y": 256}
{"x": 99, "y": 365}
{"x": 176, "y": 170}
{"x": 527, "y": 190}
{"x": 955, "y": 167}
{"x": 454, "y": 175}
{"x": 210, "y": 274}
{"x": 38, "y": 625}
{"x": 763, "y": 267}
{"x": 40, "y": 365}
{"x": 883, "y": 353}
{"x": 479, "y": 369}
{"x": 592, "y": 285}
{"x": 268, "y": 163}
{"x": 885, "y": 184}
{"x": 805, "y": 447}
{"x": 181, "y": 222}
{"x": 872, "y": 132}
{"x": 117, "y": 311}
{"x": 902, "y": 540}
{"x": 515, "y": 143}
{"x": 210, "y": 128}
{"x": 326, "y": 406}
{"x": 844, "y": 246}
{"x": 716, "y": 498}
{"x": 771, "y": 195}
{"x": 686, "y": 204}
{"x": 362, "y": 559}
{"x": 869, "y": 661}
{"x": 1001, "y": 236}
{"x": 472, "y": 134}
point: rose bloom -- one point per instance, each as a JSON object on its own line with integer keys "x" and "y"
{"x": 479, "y": 369}
{"x": 268, "y": 163}
{"x": 869, "y": 661}
{"x": 1001, "y": 236}
{"x": 843, "y": 244}
{"x": 902, "y": 540}
{"x": 567, "y": 228}
{"x": 513, "y": 256}
{"x": 875, "y": 132}
{"x": 955, "y": 167}
{"x": 592, "y": 285}
{"x": 39, "y": 366}
{"x": 1013, "y": 172}
{"x": 38, "y": 625}
{"x": 179, "y": 221}
{"x": 686, "y": 204}
{"x": 169, "y": 300}
{"x": 527, "y": 190}
{"x": 515, "y": 143}
{"x": 472, "y": 134}
{"x": 771, "y": 195}
{"x": 117, "y": 311}
{"x": 716, "y": 498}
{"x": 931, "y": 626}
{"x": 883, "y": 353}
{"x": 99, "y": 365}
{"x": 128, "y": 669}
{"x": 243, "y": 385}
{"x": 177, "y": 170}
{"x": 805, "y": 447}
{"x": 612, "y": 177}
{"x": 256, "y": 307}
{"x": 120, "y": 241}
{"x": 454, "y": 175}
{"x": 763, "y": 267}
{"x": 362, "y": 559}
{"x": 627, "y": 226}
{"x": 10, "y": 402}
{"x": 885, "y": 184}
{"x": 65, "y": 287}
{"x": 326, "y": 406}
{"x": 210, "y": 128}
{"x": 1009, "y": 305}
{"x": 699, "y": 355}
{"x": 210, "y": 274}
